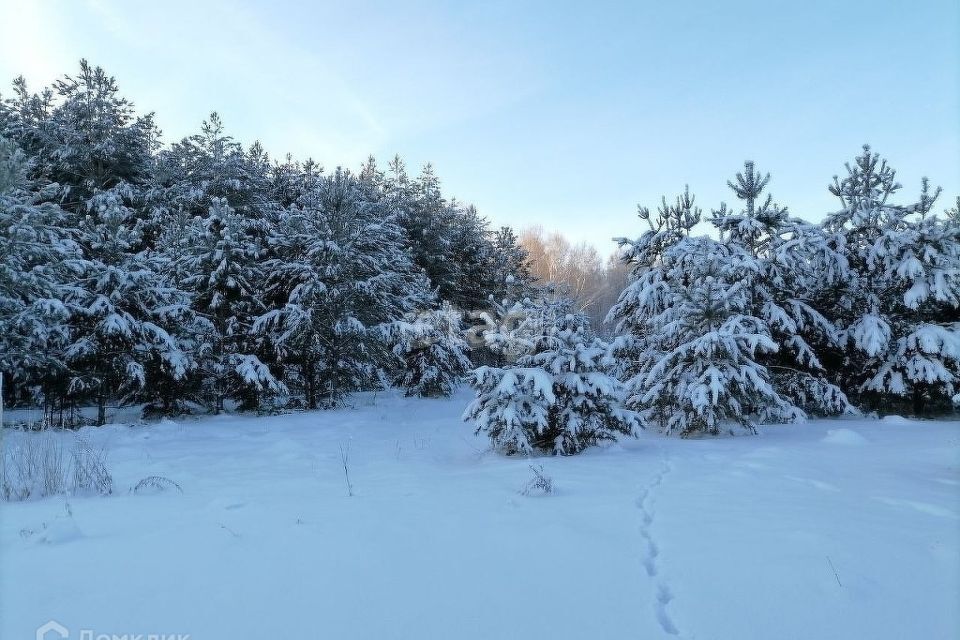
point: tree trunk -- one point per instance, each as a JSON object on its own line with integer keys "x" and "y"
{"x": 311, "y": 380}
{"x": 917, "y": 400}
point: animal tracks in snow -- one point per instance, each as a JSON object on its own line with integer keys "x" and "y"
{"x": 651, "y": 551}
{"x": 663, "y": 599}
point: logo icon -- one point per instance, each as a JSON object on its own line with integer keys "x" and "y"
{"x": 52, "y": 630}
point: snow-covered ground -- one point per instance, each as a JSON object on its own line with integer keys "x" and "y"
{"x": 830, "y": 529}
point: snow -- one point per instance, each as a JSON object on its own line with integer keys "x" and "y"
{"x": 61, "y": 529}
{"x": 843, "y": 436}
{"x": 733, "y": 537}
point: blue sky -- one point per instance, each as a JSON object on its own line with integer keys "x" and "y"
{"x": 560, "y": 114}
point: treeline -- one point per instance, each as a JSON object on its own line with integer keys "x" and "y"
{"x": 769, "y": 319}
{"x": 205, "y": 273}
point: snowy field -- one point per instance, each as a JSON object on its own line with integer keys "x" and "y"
{"x": 830, "y": 529}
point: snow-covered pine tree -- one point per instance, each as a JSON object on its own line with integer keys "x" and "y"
{"x": 423, "y": 214}
{"x": 201, "y": 172}
{"x": 345, "y": 278}
{"x": 510, "y": 295}
{"x": 791, "y": 264}
{"x": 83, "y": 137}
{"x": 37, "y": 258}
{"x": 212, "y": 165}
{"x": 218, "y": 210}
{"x": 953, "y": 215}
{"x": 559, "y": 398}
{"x": 512, "y": 407}
{"x": 451, "y": 242}
{"x": 513, "y": 327}
{"x": 695, "y": 342}
{"x": 433, "y": 350}
{"x": 952, "y": 220}
{"x": 470, "y": 258}
{"x": 898, "y": 306}
{"x": 224, "y": 260}
{"x": 122, "y": 311}
{"x": 93, "y": 156}
{"x": 511, "y": 264}
{"x": 922, "y": 360}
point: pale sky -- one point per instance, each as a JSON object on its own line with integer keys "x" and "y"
{"x": 554, "y": 113}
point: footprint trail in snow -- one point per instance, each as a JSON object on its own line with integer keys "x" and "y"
{"x": 651, "y": 551}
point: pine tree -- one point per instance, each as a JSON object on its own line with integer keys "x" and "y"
{"x": 695, "y": 340}
{"x": 197, "y": 175}
{"x": 121, "y": 311}
{"x": 433, "y": 351}
{"x": 897, "y": 307}
{"x": 789, "y": 268}
{"x": 216, "y": 215}
{"x": 559, "y": 399}
{"x": 922, "y": 358}
{"x": 84, "y": 137}
{"x": 953, "y": 215}
{"x": 91, "y": 155}
{"x": 425, "y": 217}
{"x": 451, "y": 242}
{"x": 346, "y": 279}
{"x": 37, "y": 257}
{"x": 224, "y": 260}
{"x": 471, "y": 259}
{"x": 211, "y": 165}
{"x": 511, "y": 263}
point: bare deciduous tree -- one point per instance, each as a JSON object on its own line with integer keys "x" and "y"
{"x": 579, "y": 268}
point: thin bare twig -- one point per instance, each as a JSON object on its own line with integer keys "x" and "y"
{"x": 834, "y": 570}
{"x": 345, "y": 460}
